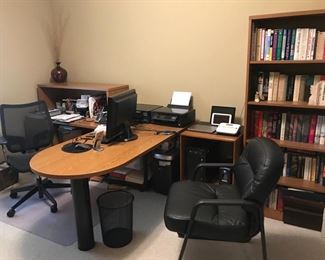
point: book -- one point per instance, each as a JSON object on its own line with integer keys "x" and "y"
{"x": 274, "y": 43}
{"x": 279, "y": 44}
{"x": 311, "y": 44}
{"x": 284, "y": 41}
{"x": 282, "y": 89}
{"x": 322, "y": 132}
{"x": 260, "y": 83}
{"x": 258, "y": 123}
{"x": 283, "y": 125}
{"x": 287, "y": 45}
{"x": 257, "y": 55}
{"x": 266, "y": 85}
{"x": 302, "y": 51}
{"x": 312, "y": 128}
{"x": 318, "y": 128}
{"x": 276, "y": 77}
{"x": 305, "y": 128}
{"x": 320, "y": 45}
{"x": 254, "y": 44}
{"x": 297, "y": 44}
{"x": 299, "y": 128}
{"x": 296, "y": 88}
{"x": 270, "y": 86}
{"x": 262, "y": 44}
{"x": 321, "y": 100}
{"x": 267, "y": 44}
{"x": 287, "y": 128}
{"x": 290, "y": 87}
{"x": 291, "y": 126}
{"x": 292, "y": 44}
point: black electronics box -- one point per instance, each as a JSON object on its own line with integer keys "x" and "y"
{"x": 8, "y": 176}
{"x": 303, "y": 208}
{"x": 171, "y": 116}
{"x": 165, "y": 170}
{"x": 194, "y": 156}
{"x": 143, "y": 112}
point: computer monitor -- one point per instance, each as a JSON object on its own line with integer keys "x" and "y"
{"x": 121, "y": 110}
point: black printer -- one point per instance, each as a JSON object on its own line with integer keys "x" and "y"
{"x": 143, "y": 112}
{"x": 173, "y": 115}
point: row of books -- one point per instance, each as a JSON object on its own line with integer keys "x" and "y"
{"x": 306, "y": 128}
{"x": 275, "y": 200}
{"x": 275, "y": 86}
{"x": 288, "y": 44}
{"x": 309, "y": 167}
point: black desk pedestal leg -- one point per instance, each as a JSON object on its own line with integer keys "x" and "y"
{"x": 82, "y": 209}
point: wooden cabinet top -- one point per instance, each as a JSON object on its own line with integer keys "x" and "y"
{"x": 84, "y": 86}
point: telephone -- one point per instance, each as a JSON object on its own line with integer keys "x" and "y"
{"x": 228, "y": 129}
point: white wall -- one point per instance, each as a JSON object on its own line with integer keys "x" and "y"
{"x": 25, "y": 55}
{"x": 160, "y": 46}
{"x": 154, "y": 46}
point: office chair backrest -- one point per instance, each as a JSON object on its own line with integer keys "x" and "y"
{"x": 26, "y": 126}
{"x": 259, "y": 169}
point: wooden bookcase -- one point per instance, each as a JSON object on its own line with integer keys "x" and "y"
{"x": 256, "y": 66}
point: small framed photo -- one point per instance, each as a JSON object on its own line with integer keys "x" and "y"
{"x": 217, "y": 118}
{"x": 220, "y": 114}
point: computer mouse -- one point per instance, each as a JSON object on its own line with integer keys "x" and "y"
{"x": 166, "y": 132}
{"x": 82, "y": 147}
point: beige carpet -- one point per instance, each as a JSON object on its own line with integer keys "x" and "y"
{"x": 153, "y": 241}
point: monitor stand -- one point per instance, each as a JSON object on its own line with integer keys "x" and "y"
{"x": 125, "y": 135}
{"x": 128, "y": 135}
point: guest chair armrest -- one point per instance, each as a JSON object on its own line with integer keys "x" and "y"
{"x": 223, "y": 202}
{"x": 226, "y": 168}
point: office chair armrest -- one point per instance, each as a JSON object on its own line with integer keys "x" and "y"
{"x": 3, "y": 140}
{"x": 226, "y": 168}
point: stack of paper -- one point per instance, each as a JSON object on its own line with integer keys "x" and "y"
{"x": 66, "y": 118}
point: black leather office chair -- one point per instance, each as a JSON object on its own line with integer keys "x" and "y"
{"x": 227, "y": 212}
{"x": 26, "y": 128}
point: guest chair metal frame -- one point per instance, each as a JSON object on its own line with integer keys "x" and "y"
{"x": 242, "y": 204}
{"x": 26, "y": 128}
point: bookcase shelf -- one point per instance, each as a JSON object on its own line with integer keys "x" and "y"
{"x": 286, "y": 104}
{"x": 260, "y": 62}
{"x": 296, "y": 183}
{"x": 287, "y": 62}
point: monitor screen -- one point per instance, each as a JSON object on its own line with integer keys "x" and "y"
{"x": 121, "y": 110}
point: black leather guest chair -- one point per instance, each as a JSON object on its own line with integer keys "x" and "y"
{"x": 227, "y": 212}
{"x": 26, "y": 128}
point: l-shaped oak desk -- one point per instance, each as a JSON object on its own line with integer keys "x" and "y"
{"x": 52, "y": 162}
{"x": 79, "y": 167}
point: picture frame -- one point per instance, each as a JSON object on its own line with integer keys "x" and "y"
{"x": 220, "y": 113}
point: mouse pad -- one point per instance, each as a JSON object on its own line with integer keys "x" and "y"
{"x": 73, "y": 148}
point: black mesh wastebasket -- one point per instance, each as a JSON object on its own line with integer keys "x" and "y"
{"x": 116, "y": 217}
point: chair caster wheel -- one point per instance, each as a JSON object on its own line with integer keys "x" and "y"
{"x": 54, "y": 208}
{"x": 13, "y": 195}
{"x": 11, "y": 213}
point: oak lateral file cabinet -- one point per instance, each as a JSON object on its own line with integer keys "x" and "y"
{"x": 220, "y": 148}
{"x": 283, "y": 61}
